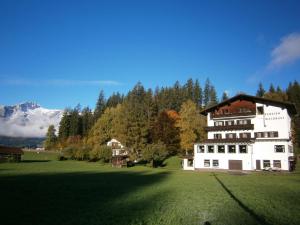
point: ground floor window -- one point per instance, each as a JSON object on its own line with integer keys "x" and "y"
{"x": 210, "y": 149}
{"x": 279, "y": 148}
{"x": 277, "y": 163}
{"x": 215, "y": 163}
{"x": 231, "y": 149}
{"x": 206, "y": 163}
{"x": 200, "y": 149}
{"x": 190, "y": 162}
{"x": 221, "y": 149}
{"x": 266, "y": 163}
{"x": 243, "y": 148}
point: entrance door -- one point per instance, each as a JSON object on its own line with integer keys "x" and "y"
{"x": 235, "y": 164}
{"x": 258, "y": 165}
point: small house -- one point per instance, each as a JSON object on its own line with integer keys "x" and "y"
{"x": 120, "y": 155}
{"x": 10, "y": 154}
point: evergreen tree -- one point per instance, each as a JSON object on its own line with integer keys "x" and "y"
{"x": 261, "y": 91}
{"x": 51, "y": 139}
{"x": 224, "y": 96}
{"x": 207, "y": 90}
{"x": 114, "y": 100}
{"x": 197, "y": 97}
{"x": 100, "y": 106}
{"x": 213, "y": 99}
{"x": 272, "y": 89}
{"x": 87, "y": 120}
{"x": 64, "y": 126}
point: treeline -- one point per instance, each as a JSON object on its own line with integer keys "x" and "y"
{"x": 151, "y": 124}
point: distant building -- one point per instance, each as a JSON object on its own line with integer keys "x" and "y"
{"x": 10, "y": 154}
{"x": 245, "y": 133}
{"x": 119, "y": 153}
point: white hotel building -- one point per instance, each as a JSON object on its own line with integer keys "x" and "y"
{"x": 245, "y": 133}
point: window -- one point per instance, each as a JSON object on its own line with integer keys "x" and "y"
{"x": 279, "y": 148}
{"x": 231, "y": 149}
{"x": 229, "y": 123}
{"x": 210, "y": 149}
{"x": 206, "y": 163}
{"x": 221, "y": 149}
{"x": 215, "y": 163}
{"x": 190, "y": 162}
{"x": 260, "y": 110}
{"x": 217, "y": 136}
{"x": 219, "y": 123}
{"x": 266, "y": 163}
{"x": 245, "y": 135}
{"x": 269, "y": 134}
{"x": 200, "y": 149}
{"x": 225, "y": 111}
{"x": 290, "y": 149}
{"x": 243, "y": 148}
{"x": 277, "y": 163}
{"x": 231, "y": 135}
{"x": 243, "y": 122}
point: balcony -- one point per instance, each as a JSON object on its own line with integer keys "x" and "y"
{"x": 230, "y": 127}
{"x": 228, "y": 140}
{"x": 233, "y": 114}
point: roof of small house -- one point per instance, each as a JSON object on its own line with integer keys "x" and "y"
{"x": 10, "y": 150}
{"x": 289, "y": 106}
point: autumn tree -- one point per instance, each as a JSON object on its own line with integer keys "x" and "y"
{"x": 191, "y": 125}
{"x": 166, "y": 131}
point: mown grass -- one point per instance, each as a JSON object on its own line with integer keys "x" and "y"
{"x": 42, "y": 190}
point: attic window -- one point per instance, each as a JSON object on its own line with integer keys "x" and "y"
{"x": 260, "y": 110}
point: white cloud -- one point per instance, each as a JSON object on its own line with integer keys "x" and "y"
{"x": 57, "y": 82}
{"x": 287, "y": 52}
{"x": 284, "y": 54}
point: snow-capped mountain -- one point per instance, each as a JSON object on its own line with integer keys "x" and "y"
{"x": 27, "y": 120}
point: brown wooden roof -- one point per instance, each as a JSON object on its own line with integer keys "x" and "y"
{"x": 289, "y": 106}
{"x": 10, "y": 150}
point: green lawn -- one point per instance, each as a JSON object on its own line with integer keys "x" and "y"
{"x": 41, "y": 190}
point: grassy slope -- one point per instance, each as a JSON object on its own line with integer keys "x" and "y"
{"x": 70, "y": 192}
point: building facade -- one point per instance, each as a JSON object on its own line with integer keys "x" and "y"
{"x": 246, "y": 133}
{"x": 120, "y": 156}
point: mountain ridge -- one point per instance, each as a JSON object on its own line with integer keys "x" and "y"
{"x": 27, "y": 119}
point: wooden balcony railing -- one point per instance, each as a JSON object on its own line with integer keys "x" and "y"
{"x": 235, "y": 114}
{"x": 229, "y": 140}
{"x": 231, "y": 127}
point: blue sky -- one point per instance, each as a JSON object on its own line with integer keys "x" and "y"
{"x": 60, "y": 53}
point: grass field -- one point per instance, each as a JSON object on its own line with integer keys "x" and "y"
{"x": 42, "y": 190}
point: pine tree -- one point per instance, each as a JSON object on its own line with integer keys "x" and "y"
{"x": 100, "y": 106}
{"x": 212, "y": 96}
{"x": 87, "y": 120}
{"x": 261, "y": 91}
{"x": 272, "y": 89}
{"x": 224, "y": 96}
{"x": 64, "y": 126}
{"x": 51, "y": 139}
{"x": 207, "y": 89}
{"x": 197, "y": 97}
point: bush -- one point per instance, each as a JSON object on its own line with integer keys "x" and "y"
{"x": 155, "y": 154}
{"x": 76, "y": 152}
{"x": 101, "y": 152}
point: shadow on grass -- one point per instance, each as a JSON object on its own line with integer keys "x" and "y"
{"x": 259, "y": 219}
{"x": 34, "y": 161}
{"x": 79, "y": 198}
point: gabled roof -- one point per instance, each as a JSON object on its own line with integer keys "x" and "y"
{"x": 10, "y": 150}
{"x": 289, "y": 106}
